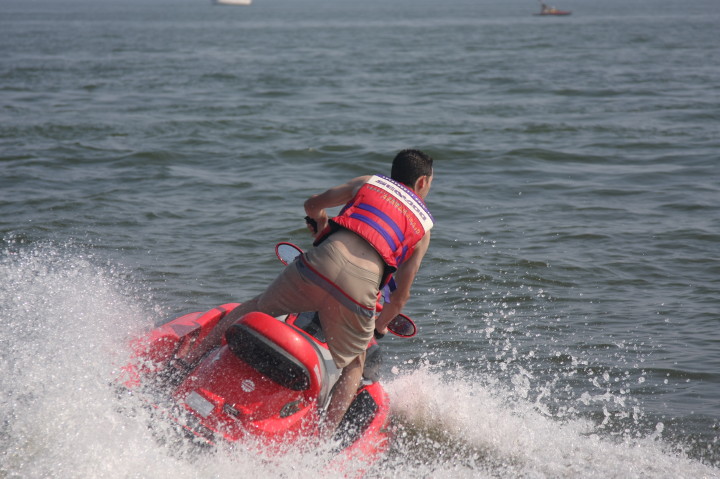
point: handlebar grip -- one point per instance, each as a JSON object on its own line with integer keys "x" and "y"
{"x": 312, "y": 223}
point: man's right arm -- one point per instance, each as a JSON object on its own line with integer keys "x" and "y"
{"x": 316, "y": 205}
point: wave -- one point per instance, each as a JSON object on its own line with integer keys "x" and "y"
{"x": 469, "y": 428}
{"x": 67, "y": 315}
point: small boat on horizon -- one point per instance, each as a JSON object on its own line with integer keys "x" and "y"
{"x": 545, "y": 10}
{"x": 232, "y": 2}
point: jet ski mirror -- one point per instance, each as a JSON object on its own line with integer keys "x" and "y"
{"x": 402, "y": 326}
{"x": 287, "y": 252}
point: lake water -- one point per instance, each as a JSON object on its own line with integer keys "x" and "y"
{"x": 152, "y": 153}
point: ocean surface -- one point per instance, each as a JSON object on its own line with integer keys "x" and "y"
{"x": 153, "y": 152}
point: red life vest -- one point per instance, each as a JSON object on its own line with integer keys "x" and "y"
{"x": 388, "y": 215}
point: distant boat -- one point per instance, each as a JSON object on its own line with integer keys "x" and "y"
{"x": 232, "y": 2}
{"x": 545, "y": 10}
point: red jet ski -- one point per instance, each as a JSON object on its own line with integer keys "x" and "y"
{"x": 269, "y": 379}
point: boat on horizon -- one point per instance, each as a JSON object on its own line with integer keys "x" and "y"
{"x": 545, "y": 10}
{"x": 232, "y": 2}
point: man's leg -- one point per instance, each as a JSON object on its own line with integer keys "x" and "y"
{"x": 343, "y": 394}
{"x": 286, "y": 294}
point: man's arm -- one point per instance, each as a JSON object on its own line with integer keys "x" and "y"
{"x": 404, "y": 278}
{"x": 338, "y": 195}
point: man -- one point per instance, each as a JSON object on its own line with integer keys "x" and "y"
{"x": 384, "y": 228}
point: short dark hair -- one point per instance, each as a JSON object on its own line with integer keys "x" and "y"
{"x": 409, "y": 165}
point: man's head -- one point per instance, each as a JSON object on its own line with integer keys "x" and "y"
{"x": 414, "y": 169}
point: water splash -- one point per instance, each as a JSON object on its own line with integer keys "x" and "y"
{"x": 64, "y": 318}
{"x": 66, "y": 315}
{"x": 466, "y": 427}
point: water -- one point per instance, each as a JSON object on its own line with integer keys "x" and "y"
{"x": 152, "y": 153}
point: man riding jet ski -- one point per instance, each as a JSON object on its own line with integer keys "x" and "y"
{"x": 270, "y": 379}
{"x": 383, "y": 229}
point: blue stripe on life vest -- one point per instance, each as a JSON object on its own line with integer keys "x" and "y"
{"x": 379, "y": 213}
{"x": 377, "y": 228}
{"x": 401, "y": 259}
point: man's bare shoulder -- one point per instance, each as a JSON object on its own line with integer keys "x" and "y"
{"x": 356, "y": 183}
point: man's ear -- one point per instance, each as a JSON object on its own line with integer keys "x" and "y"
{"x": 421, "y": 183}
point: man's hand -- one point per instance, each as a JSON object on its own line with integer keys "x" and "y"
{"x": 311, "y": 225}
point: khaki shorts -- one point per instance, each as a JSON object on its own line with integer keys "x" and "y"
{"x": 343, "y": 293}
